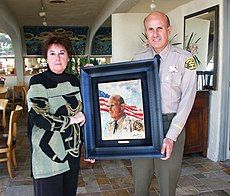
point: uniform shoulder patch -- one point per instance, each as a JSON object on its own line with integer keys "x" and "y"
{"x": 138, "y": 126}
{"x": 190, "y": 63}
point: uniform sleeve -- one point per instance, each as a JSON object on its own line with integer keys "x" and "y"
{"x": 188, "y": 94}
{"x": 39, "y": 111}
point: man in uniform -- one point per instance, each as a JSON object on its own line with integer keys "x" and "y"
{"x": 177, "y": 73}
{"x": 123, "y": 126}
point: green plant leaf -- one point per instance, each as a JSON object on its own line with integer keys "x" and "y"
{"x": 196, "y": 60}
{"x": 175, "y": 44}
{"x": 141, "y": 39}
{"x": 189, "y": 41}
{"x": 198, "y": 40}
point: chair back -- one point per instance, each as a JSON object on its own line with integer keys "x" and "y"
{"x": 18, "y": 97}
{"x": 3, "y": 104}
{"x": 14, "y": 117}
{"x": 21, "y": 90}
{"x": 18, "y": 91}
{"x": 3, "y": 92}
{"x": 25, "y": 90}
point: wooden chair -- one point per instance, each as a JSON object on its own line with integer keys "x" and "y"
{"x": 8, "y": 141}
{"x": 25, "y": 90}
{"x": 3, "y": 92}
{"x": 18, "y": 97}
{"x": 3, "y": 104}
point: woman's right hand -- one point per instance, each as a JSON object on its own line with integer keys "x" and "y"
{"x": 90, "y": 160}
{"x": 79, "y": 117}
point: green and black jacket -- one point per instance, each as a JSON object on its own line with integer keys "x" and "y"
{"x": 52, "y": 98}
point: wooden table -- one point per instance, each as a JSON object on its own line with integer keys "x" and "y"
{"x": 3, "y": 92}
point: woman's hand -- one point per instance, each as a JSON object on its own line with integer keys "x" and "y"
{"x": 90, "y": 160}
{"x": 88, "y": 65}
{"x": 79, "y": 117}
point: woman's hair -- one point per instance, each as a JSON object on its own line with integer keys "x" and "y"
{"x": 55, "y": 38}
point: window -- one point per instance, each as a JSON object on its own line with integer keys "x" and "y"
{"x": 7, "y": 60}
{"x": 34, "y": 65}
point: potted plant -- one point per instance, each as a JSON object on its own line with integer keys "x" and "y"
{"x": 192, "y": 46}
{"x": 75, "y": 63}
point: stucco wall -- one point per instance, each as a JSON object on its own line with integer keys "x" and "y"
{"x": 126, "y": 29}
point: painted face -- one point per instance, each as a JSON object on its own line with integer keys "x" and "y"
{"x": 115, "y": 108}
{"x": 57, "y": 58}
{"x": 157, "y": 31}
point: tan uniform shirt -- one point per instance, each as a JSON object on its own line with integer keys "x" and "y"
{"x": 127, "y": 128}
{"x": 178, "y": 84}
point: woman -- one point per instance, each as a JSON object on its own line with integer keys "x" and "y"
{"x": 54, "y": 122}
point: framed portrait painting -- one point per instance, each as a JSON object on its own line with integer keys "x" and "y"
{"x": 122, "y": 105}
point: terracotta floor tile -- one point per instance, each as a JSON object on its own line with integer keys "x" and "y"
{"x": 221, "y": 193}
{"x": 122, "y": 192}
{"x": 102, "y": 180}
{"x": 105, "y": 187}
{"x": 108, "y": 193}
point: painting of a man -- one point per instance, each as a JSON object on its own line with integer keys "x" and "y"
{"x": 122, "y": 126}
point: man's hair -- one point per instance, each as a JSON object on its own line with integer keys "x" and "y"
{"x": 168, "y": 20}
{"x": 57, "y": 38}
{"x": 121, "y": 100}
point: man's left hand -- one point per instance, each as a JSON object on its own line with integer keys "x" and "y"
{"x": 167, "y": 148}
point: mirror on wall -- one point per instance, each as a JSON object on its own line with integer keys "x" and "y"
{"x": 201, "y": 39}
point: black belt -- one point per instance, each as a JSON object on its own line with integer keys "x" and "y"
{"x": 168, "y": 116}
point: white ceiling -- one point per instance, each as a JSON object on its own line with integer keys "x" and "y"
{"x": 78, "y": 12}
{"x": 73, "y": 12}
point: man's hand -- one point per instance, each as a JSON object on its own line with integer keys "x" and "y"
{"x": 167, "y": 148}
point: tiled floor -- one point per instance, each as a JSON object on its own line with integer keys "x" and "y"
{"x": 200, "y": 176}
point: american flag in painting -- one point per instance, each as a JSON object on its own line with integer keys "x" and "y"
{"x": 130, "y": 110}
{"x": 103, "y": 99}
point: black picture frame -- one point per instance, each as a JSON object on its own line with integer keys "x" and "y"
{"x": 144, "y": 72}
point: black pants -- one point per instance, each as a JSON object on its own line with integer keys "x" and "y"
{"x": 64, "y": 184}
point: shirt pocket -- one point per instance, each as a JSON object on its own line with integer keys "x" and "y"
{"x": 176, "y": 79}
{"x": 171, "y": 79}
{"x": 166, "y": 78}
